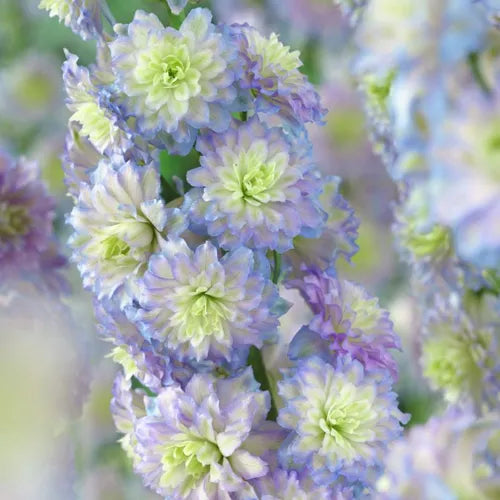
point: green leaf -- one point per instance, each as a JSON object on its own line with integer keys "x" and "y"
{"x": 276, "y": 273}
{"x": 176, "y": 167}
{"x": 474, "y": 65}
{"x": 310, "y": 61}
{"x": 492, "y": 277}
{"x": 259, "y": 372}
{"x": 137, "y": 384}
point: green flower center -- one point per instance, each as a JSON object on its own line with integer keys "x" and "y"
{"x": 491, "y": 158}
{"x": 14, "y": 220}
{"x": 114, "y": 247}
{"x": 186, "y": 463}
{"x": 204, "y": 315}
{"x": 163, "y": 70}
{"x": 347, "y": 420}
{"x": 452, "y": 359}
{"x": 432, "y": 243}
{"x": 170, "y": 71}
{"x": 202, "y": 305}
{"x": 483, "y": 152}
{"x": 253, "y": 179}
{"x": 378, "y": 89}
{"x": 446, "y": 364}
{"x": 257, "y": 180}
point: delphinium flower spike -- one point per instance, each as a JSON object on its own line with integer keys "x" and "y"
{"x": 196, "y": 198}
{"x": 429, "y": 72}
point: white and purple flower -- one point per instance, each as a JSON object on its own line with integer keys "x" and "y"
{"x": 204, "y": 306}
{"x": 119, "y": 222}
{"x": 101, "y": 121}
{"x": 137, "y": 355}
{"x": 346, "y": 321}
{"x": 271, "y": 75}
{"x": 257, "y": 187}
{"x": 341, "y": 417}
{"x": 176, "y": 81}
{"x": 208, "y": 441}
{"x": 451, "y": 456}
{"x": 337, "y": 238}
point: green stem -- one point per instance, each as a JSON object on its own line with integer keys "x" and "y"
{"x": 106, "y": 12}
{"x": 173, "y": 20}
{"x": 277, "y": 267}
{"x": 137, "y": 384}
{"x": 244, "y": 116}
{"x": 259, "y": 371}
{"x": 181, "y": 16}
{"x": 473, "y": 60}
{"x": 493, "y": 280}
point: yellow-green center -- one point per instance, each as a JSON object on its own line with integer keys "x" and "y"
{"x": 168, "y": 72}
{"x": 491, "y": 159}
{"x": 378, "y": 89}
{"x": 187, "y": 462}
{"x": 114, "y": 247}
{"x": 14, "y": 220}
{"x": 451, "y": 360}
{"x": 252, "y": 179}
{"x": 163, "y": 67}
{"x": 434, "y": 242}
{"x": 204, "y": 315}
{"x": 257, "y": 180}
{"x": 347, "y": 419}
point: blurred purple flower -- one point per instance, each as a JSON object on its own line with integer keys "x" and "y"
{"x": 26, "y": 214}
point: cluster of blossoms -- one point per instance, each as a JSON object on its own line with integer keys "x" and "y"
{"x": 195, "y": 198}
{"x": 429, "y": 74}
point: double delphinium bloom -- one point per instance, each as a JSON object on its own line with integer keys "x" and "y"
{"x": 196, "y": 198}
{"x": 429, "y": 74}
